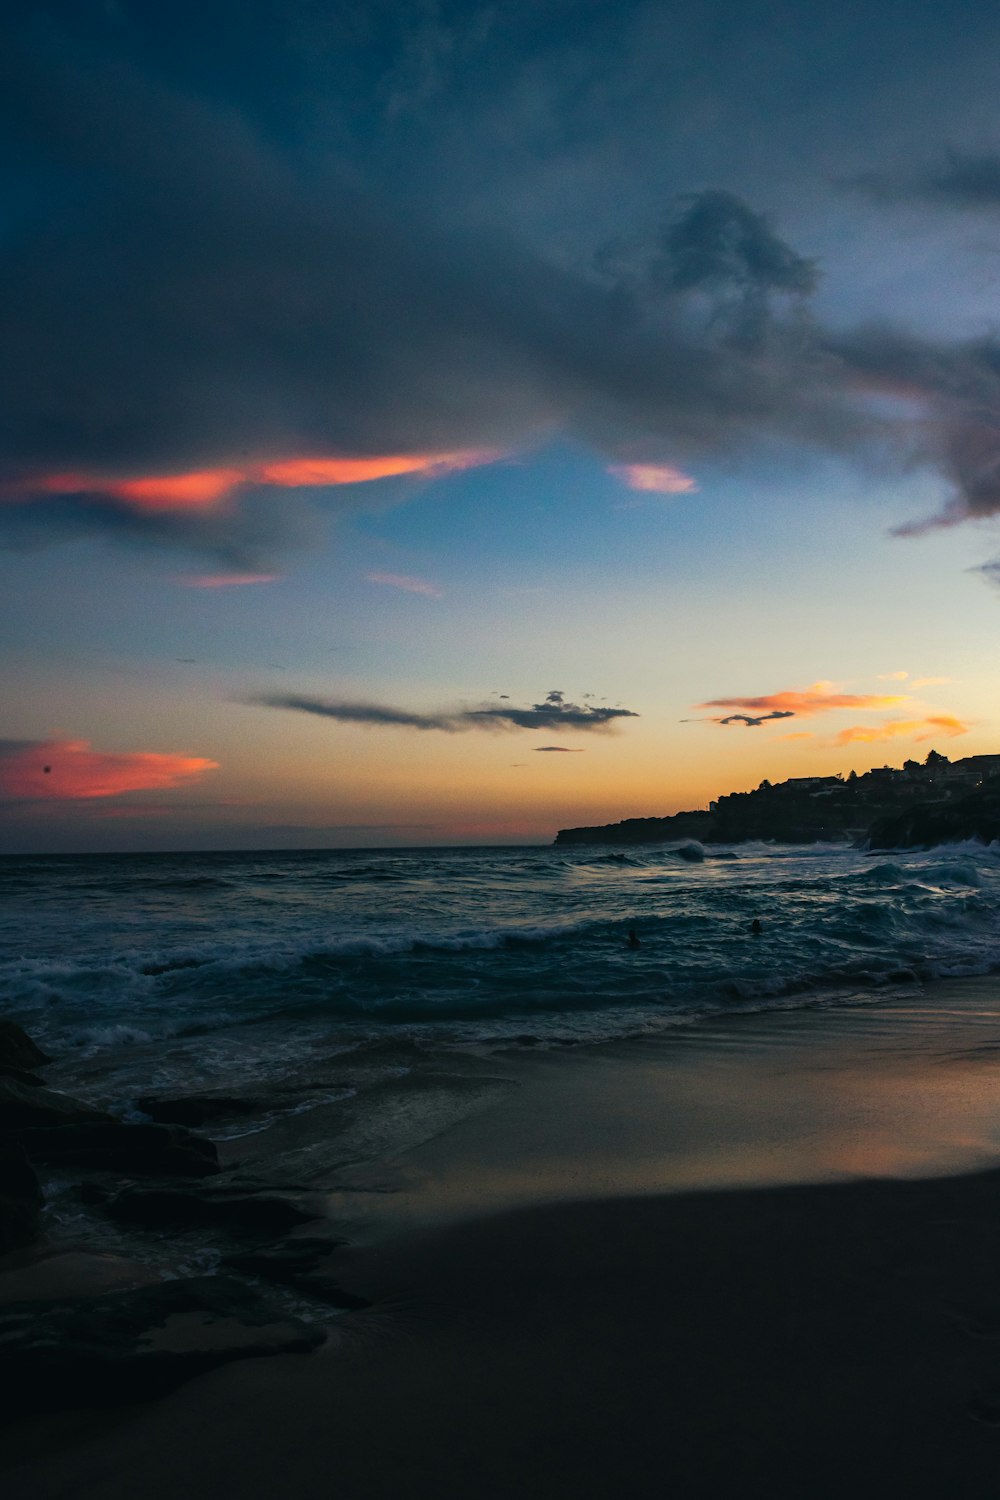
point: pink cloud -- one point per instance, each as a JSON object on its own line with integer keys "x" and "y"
{"x": 224, "y": 580}
{"x": 69, "y": 771}
{"x": 405, "y": 582}
{"x": 201, "y": 489}
{"x": 658, "y": 479}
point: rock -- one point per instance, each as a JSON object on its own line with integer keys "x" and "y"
{"x": 20, "y": 1199}
{"x": 33, "y": 1104}
{"x": 21, "y": 1075}
{"x": 255, "y": 1212}
{"x": 298, "y": 1263}
{"x": 133, "y": 1345}
{"x": 17, "y": 1050}
{"x": 287, "y": 1258}
{"x": 976, "y": 816}
{"x": 113, "y": 1147}
{"x": 48, "y": 1272}
{"x": 194, "y": 1109}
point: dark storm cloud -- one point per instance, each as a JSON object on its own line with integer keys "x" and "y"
{"x": 186, "y": 291}
{"x": 558, "y": 750}
{"x": 553, "y": 713}
{"x": 240, "y": 539}
{"x": 960, "y": 181}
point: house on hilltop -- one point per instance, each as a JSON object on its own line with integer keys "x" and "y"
{"x": 809, "y": 785}
{"x": 978, "y": 767}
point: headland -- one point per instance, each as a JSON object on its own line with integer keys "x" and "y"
{"x": 913, "y": 806}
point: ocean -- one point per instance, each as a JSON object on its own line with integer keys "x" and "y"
{"x": 351, "y": 1007}
{"x": 232, "y": 970}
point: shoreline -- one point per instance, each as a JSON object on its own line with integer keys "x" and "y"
{"x": 901, "y": 1087}
{"x": 555, "y": 1311}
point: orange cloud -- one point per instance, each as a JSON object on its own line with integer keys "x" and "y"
{"x": 917, "y": 729}
{"x": 820, "y": 698}
{"x": 406, "y": 583}
{"x": 659, "y": 479}
{"x": 203, "y": 488}
{"x": 69, "y": 771}
{"x": 173, "y": 491}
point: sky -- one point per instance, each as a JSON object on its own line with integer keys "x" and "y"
{"x": 445, "y": 423}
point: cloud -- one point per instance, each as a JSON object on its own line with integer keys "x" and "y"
{"x": 917, "y": 729}
{"x": 820, "y": 698}
{"x": 205, "y": 325}
{"x": 913, "y": 682}
{"x": 963, "y": 181}
{"x": 68, "y": 770}
{"x": 406, "y": 583}
{"x": 559, "y": 750}
{"x": 203, "y": 489}
{"x": 224, "y": 580}
{"x": 554, "y": 713}
{"x": 660, "y": 479}
{"x": 754, "y": 723}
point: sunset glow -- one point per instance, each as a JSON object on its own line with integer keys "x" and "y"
{"x": 387, "y": 468}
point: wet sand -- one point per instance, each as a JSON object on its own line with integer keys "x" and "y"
{"x": 556, "y": 1312}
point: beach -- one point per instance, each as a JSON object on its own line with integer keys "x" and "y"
{"x": 756, "y": 1258}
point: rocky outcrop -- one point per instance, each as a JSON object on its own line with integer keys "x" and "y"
{"x": 302, "y": 1265}
{"x": 24, "y": 1104}
{"x": 976, "y": 816}
{"x": 17, "y": 1050}
{"x": 231, "y": 1208}
{"x": 683, "y": 825}
{"x": 130, "y": 1149}
{"x": 134, "y": 1345}
{"x": 20, "y": 1199}
{"x": 194, "y": 1109}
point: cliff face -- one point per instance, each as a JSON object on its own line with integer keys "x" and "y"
{"x": 683, "y": 825}
{"x": 976, "y": 816}
{"x": 900, "y": 811}
{"x": 794, "y": 822}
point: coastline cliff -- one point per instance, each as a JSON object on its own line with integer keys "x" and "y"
{"x": 912, "y": 806}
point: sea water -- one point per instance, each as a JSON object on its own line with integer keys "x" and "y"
{"x": 221, "y": 970}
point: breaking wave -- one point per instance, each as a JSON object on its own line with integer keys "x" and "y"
{"x": 124, "y": 952}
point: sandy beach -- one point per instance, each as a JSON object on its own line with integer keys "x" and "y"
{"x": 756, "y": 1258}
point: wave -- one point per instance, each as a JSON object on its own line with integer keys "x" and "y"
{"x": 484, "y": 936}
{"x": 692, "y": 852}
{"x": 613, "y": 859}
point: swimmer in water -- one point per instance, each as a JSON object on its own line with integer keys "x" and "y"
{"x": 755, "y": 927}
{"x": 633, "y": 939}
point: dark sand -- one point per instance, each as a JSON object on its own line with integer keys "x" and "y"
{"x": 840, "y": 1339}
